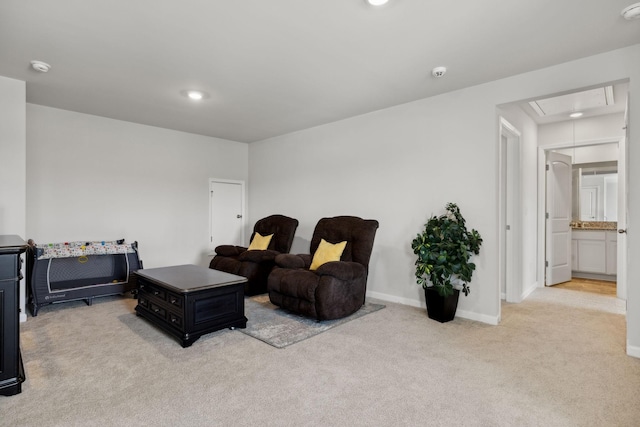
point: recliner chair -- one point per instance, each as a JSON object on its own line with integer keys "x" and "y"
{"x": 335, "y": 289}
{"x": 256, "y": 265}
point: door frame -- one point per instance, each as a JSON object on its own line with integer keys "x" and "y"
{"x": 542, "y": 155}
{"x": 212, "y": 181}
{"x": 510, "y": 212}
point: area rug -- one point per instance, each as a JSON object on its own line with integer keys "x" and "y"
{"x": 280, "y": 328}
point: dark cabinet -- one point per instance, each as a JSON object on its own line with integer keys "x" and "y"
{"x": 11, "y": 370}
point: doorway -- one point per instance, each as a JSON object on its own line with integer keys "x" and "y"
{"x": 226, "y": 213}
{"x": 510, "y": 212}
{"x": 537, "y": 139}
{"x": 602, "y": 250}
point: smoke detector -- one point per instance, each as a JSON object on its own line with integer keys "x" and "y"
{"x": 40, "y": 66}
{"x": 438, "y": 72}
{"x": 631, "y": 12}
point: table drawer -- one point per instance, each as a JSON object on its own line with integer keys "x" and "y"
{"x": 143, "y": 301}
{"x": 157, "y": 310}
{"x": 175, "y": 300}
{"x": 152, "y": 290}
{"x": 175, "y": 320}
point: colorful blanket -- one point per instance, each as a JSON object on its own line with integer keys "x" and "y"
{"x": 77, "y": 249}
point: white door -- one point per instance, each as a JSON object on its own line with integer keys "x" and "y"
{"x": 510, "y": 223}
{"x": 227, "y": 213}
{"x": 621, "y": 276}
{"x": 558, "y": 215}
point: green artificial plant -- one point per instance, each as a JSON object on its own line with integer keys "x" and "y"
{"x": 444, "y": 249}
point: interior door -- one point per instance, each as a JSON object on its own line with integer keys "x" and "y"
{"x": 227, "y": 213}
{"x": 621, "y": 274}
{"x": 511, "y": 281}
{"x": 558, "y": 218}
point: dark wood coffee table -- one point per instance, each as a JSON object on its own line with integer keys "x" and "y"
{"x": 188, "y": 301}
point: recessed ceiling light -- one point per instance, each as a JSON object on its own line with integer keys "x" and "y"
{"x": 576, "y": 114}
{"x": 631, "y": 12}
{"x": 377, "y": 2}
{"x": 195, "y": 95}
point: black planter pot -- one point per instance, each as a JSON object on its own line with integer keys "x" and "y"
{"x": 442, "y": 309}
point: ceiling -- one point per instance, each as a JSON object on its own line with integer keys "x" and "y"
{"x": 608, "y": 99}
{"x": 275, "y": 67}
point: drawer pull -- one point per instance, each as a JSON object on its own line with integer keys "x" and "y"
{"x": 156, "y": 293}
{"x": 173, "y": 300}
{"x": 156, "y": 309}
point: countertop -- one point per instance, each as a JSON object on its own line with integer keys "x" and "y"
{"x": 594, "y": 225}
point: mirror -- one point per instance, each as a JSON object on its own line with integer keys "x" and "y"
{"x": 597, "y": 191}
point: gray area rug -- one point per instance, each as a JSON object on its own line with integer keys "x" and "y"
{"x": 280, "y": 328}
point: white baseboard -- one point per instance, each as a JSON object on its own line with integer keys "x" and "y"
{"x": 633, "y": 351}
{"x": 492, "y": 320}
{"x": 470, "y": 315}
{"x": 393, "y": 298}
{"x": 527, "y": 291}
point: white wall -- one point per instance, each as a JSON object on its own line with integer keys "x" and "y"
{"x": 593, "y": 153}
{"x": 402, "y": 164}
{"x": 12, "y": 157}
{"x": 399, "y": 166}
{"x": 587, "y": 129}
{"x": 13, "y": 164}
{"x": 93, "y": 178}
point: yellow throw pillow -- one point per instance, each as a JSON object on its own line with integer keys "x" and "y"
{"x": 260, "y": 243}
{"x": 327, "y": 252}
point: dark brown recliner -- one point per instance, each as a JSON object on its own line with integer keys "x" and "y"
{"x": 256, "y": 265}
{"x": 335, "y": 289}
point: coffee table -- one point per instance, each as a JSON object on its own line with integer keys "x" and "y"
{"x": 188, "y": 301}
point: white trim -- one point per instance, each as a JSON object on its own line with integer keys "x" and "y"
{"x": 633, "y": 351}
{"x": 536, "y": 108}
{"x": 528, "y": 290}
{"x": 393, "y": 298}
{"x": 469, "y": 315}
{"x": 584, "y": 143}
{"x": 512, "y": 129}
{"x": 243, "y": 210}
{"x": 513, "y": 283}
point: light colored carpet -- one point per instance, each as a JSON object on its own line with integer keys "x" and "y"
{"x": 586, "y": 300}
{"x": 280, "y": 328}
{"x": 551, "y": 362}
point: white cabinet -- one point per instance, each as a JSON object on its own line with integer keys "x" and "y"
{"x": 594, "y": 251}
{"x": 612, "y": 252}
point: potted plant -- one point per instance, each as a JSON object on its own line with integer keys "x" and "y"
{"x": 443, "y": 267}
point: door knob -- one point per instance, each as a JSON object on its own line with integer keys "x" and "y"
{"x": 622, "y": 230}
{"x": 238, "y": 216}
